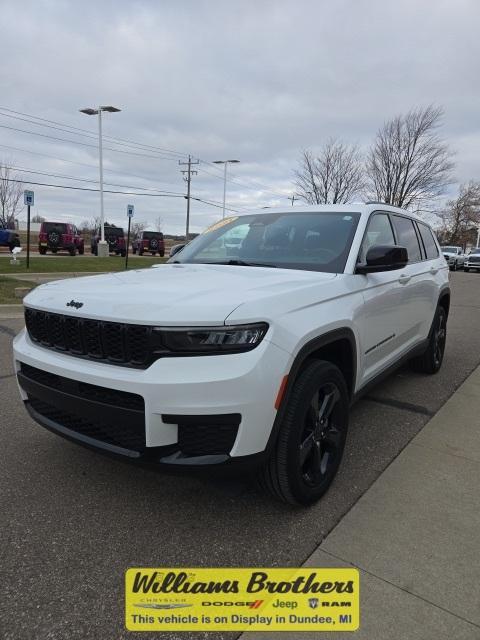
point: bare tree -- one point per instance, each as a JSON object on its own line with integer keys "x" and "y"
{"x": 158, "y": 223}
{"x": 409, "y": 163}
{"x": 37, "y": 218}
{"x": 138, "y": 227}
{"x": 10, "y": 196}
{"x": 462, "y": 216}
{"x": 336, "y": 175}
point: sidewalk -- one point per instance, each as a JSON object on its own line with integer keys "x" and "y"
{"x": 415, "y": 535}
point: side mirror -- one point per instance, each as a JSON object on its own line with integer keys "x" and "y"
{"x": 383, "y": 258}
{"x": 176, "y": 248}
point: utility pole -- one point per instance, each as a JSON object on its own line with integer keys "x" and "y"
{"x": 187, "y": 176}
{"x": 293, "y": 198}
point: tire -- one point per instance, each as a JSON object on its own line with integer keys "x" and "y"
{"x": 42, "y": 251}
{"x": 72, "y": 251}
{"x": 81, "y": 250}
{"x": 161, "y": 254}
{"x": 54, "y": 250}
{"x": 431, "y": 360}
{"x": 154, "y": 253}
{"x": 307, "y": 453}
{"x": 454, "y": 267}
{"x": 466, "y": 269}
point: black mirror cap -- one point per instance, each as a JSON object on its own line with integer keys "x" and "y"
{"x": 384, "y": 258}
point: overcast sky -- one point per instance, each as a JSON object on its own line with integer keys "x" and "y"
{"x": 256, "y": 81}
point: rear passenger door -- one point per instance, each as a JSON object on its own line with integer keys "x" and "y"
{"x": 417, "y": 282}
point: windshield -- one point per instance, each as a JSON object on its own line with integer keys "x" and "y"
{"x": 310, "y": 241}
{"x": 474, "y": 251}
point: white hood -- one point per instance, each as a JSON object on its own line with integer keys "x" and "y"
{"x": 171, "y": 294}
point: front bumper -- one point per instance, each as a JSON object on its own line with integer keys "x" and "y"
{"x": 472, "y": 265}
{"x": 180, "y": 402}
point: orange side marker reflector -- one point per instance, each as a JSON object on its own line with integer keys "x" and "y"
{"x": 281, "y": 392}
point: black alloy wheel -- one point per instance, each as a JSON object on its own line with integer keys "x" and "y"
{"x": 311, "y": 436}
{"x": 431, "y": 360}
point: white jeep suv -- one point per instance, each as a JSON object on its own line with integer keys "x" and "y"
{"x": 243, "y": 354}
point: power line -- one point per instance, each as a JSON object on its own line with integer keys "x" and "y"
{"x": 85, "y": 144}
{"x": 81, "y": 164}
{"x": 127, "y": 193}
{"x": 125, "y": 142}
{"x": 81, "y": 131}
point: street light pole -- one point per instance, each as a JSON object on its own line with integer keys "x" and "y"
{"x": 102, "y": 247}
{"x": 225, "y": 163}
{"x": 100, "y": 158}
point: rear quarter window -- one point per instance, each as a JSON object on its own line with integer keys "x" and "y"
{"x": 429, "y": 243}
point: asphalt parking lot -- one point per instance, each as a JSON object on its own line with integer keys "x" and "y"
{"x": 72, "y": 521}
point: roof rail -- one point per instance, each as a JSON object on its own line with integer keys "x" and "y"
{"x": 377, "y": 202}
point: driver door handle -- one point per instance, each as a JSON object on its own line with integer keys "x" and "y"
{"x": 404, "y": 279}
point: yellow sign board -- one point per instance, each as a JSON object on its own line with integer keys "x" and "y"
{"x": 230, "y": 599}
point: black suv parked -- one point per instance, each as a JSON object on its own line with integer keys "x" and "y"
{"x": 115, "y": 237}
{"x": 151, "y": 241}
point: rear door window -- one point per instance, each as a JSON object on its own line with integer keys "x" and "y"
{"x": 407, "y": 237}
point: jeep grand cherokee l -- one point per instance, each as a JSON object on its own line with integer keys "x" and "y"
{"x": 59, "y": 236}
{"x": 250, "y": 360}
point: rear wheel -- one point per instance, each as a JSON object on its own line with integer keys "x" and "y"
{"x": 72, "y": 251}
{"x": 161, "y": 254}
{"x": 311, "y": 437}
{"x": 431, "y": 360}
{"x": 42, "y": 251}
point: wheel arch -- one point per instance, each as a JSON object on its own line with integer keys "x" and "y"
{"x": 338, "y": 347}
{"x": 444, "y": 300}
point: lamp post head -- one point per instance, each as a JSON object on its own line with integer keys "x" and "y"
{"x": 93, "y": 112}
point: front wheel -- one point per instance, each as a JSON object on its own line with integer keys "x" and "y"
{"x": 431, "y": 360}
{"x": 311, "y": 437}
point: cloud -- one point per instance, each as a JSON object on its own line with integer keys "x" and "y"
{"x": 257, "y": 81}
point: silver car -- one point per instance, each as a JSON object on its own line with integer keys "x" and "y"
{"x": 472, "y": 261}
{"x": 454, "y": 256}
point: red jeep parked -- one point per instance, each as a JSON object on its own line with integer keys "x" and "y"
{"x": 58, "y": 236}
{"x": 151, "y": 241}
{"x": 114, "y": 236}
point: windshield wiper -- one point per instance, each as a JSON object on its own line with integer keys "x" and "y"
{"x": 242, "y": 263}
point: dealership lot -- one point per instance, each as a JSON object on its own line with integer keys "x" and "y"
{"x": 73, "y": 521}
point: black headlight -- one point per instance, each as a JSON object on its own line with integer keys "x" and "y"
{"x": 208, "y": 340}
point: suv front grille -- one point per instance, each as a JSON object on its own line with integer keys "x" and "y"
{"x": 107, "y": 415}
{"x": 114, "y": 342}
